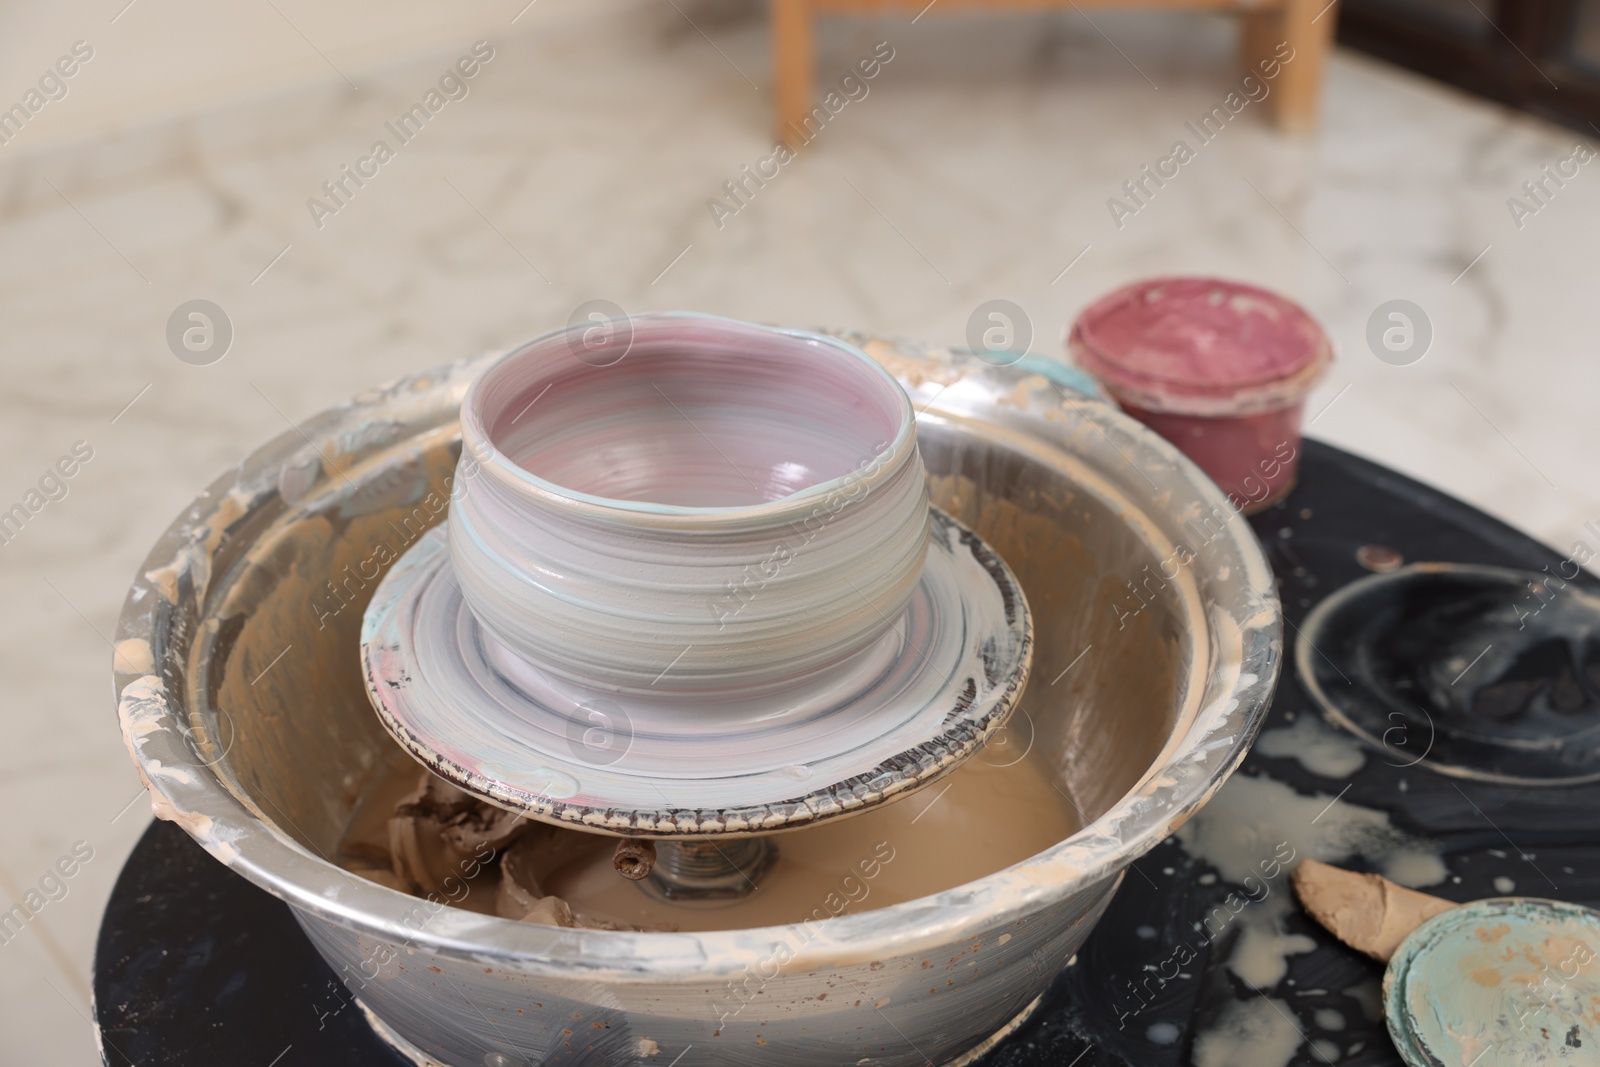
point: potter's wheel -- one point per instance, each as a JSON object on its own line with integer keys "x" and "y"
{"x": 196, "y": 966}
{"x": 918, "y": 963}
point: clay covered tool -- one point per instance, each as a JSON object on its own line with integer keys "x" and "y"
{"x": 1508, "y": 980}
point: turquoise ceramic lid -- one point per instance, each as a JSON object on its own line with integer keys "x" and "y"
{"x": 1512, "y": 980}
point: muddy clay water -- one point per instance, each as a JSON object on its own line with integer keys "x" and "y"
{"x": 994, "y": 811}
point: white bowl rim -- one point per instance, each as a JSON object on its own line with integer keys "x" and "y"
{"x": 512, "y": 476}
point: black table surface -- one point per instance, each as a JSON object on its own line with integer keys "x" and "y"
{"x": 196, "y": 966}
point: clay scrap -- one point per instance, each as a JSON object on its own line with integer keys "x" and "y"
{"x": 440, "y": 842}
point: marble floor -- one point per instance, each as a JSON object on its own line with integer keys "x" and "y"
{"x": 580, "y": 166}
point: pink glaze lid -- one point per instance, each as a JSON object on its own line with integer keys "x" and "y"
{"x": 1200, "y": 346}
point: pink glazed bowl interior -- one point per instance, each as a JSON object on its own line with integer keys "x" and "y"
{"x": 690, "y": 412}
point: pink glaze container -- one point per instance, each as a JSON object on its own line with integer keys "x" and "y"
{"x": 1218, "y": 368}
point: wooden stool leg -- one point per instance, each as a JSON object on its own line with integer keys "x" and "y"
{"x": 1306, "y": 27}
{"x": 793, "y": 66}
{"x": 1259, "y": 34}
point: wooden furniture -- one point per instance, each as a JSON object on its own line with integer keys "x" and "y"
{"x": 1539, "y": 55}
{"x": 1307, "y": 25}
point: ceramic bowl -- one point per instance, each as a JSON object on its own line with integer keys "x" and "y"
{"x": 699, "y": 504}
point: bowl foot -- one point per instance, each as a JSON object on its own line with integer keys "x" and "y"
{"x": 983, "y": 1048}
{"x": 973, "y": 1055}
